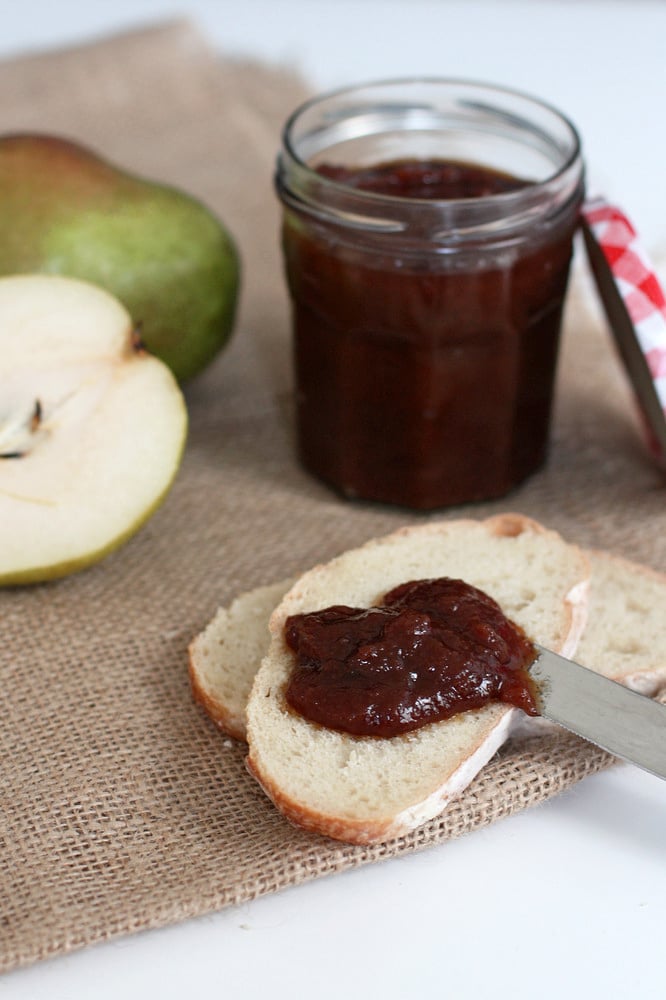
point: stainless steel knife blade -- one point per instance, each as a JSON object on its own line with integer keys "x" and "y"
{"x": 627, "y": 724}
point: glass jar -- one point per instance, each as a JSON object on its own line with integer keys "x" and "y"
{"x": 426, "y": 317}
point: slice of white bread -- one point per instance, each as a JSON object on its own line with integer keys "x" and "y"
{"x": 625, "y": 635}
{"x": 366, "y": 789}
{"x": 224, "y": 658}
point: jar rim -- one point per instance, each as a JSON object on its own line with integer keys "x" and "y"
{"x": 505, "y": 199}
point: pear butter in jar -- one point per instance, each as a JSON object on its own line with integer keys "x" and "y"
{"x": 427, "y": 237}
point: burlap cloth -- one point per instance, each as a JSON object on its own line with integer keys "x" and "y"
{"x": 122, "y": 807}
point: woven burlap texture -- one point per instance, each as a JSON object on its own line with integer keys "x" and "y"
{"x": 122, "y": 807}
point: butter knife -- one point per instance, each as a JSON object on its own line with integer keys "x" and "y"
{"x": 626, "y": 724}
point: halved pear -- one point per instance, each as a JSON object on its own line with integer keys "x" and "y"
{"x": 92, "y": 428}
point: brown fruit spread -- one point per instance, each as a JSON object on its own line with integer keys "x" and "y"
{"x": 431, "y": 649}
{"x": 423, "y": 382}
{"x": 440, "y": 179}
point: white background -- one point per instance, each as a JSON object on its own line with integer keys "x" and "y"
{"x": 567, "y": 900}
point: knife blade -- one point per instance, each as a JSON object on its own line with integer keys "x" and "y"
{"x": 626, "y": 724}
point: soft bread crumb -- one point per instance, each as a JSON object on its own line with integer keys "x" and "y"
{"x": 625, "y": 638}
{"x": 224, "y": 658}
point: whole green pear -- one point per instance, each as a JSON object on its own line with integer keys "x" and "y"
{"x": 63, "y": 210}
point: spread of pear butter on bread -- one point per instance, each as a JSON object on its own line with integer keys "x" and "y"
{"x": 431, "y": 649}
{"x": 363, "y": 787}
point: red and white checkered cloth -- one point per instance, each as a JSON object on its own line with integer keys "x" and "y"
{"x": 638, "y": 286}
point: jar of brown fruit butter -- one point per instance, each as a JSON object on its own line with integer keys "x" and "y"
{"x": 427, "y": 237}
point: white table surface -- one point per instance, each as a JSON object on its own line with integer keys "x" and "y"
{"x": 568, "y": 899}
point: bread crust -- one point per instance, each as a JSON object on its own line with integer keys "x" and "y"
{"x": 215, "y": 708}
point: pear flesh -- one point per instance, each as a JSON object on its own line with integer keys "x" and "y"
{"x": 92, "y": 427}
{"x": 170, "y": 261}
